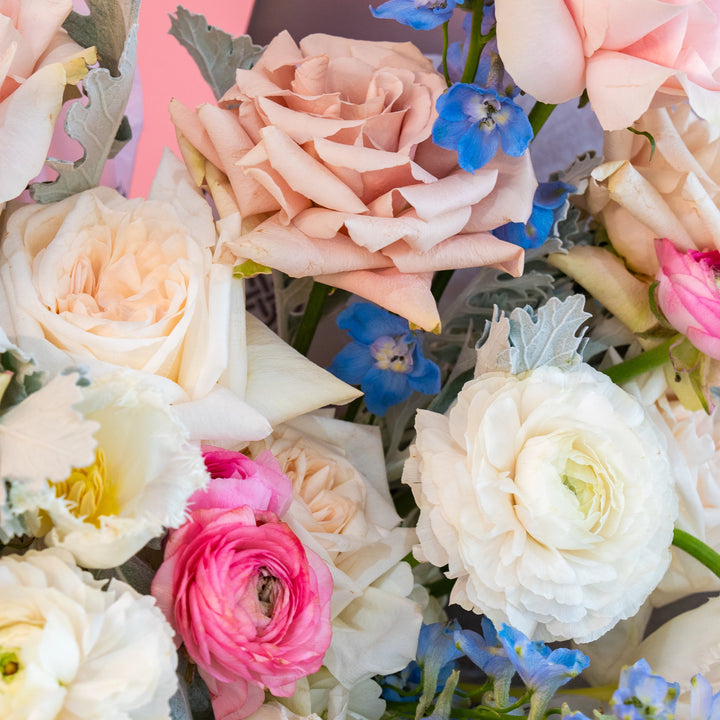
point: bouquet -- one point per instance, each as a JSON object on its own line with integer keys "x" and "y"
{"x": 468, "y": 464}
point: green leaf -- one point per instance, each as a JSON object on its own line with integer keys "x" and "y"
{"x": 99, "y": 126}
{"x": 646, "y": 134}
{"x": 216, "y": 53}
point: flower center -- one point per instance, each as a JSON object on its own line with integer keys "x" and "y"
{"x": 581, "y": 480}
{"x": 9, "y": 665}
{"x": 89, "y": 491}
{"x": 267, "y": 587}
{"x": 482, "y": 110}
{"x": 392, "y": 353}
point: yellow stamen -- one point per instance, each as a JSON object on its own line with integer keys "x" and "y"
{"x": 89, "y": 491}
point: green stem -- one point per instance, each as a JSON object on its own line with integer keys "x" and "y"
{"x": 311, "y": 317}
{"x": 698, "y": 549}
{"x": 352, "y": 409}
{"x": 648, "y": 360}
{"x": 537, "y": 116}
{"x": 439, "y": 283}
{"x": 477, "y": 43}
{"x": 446, "y": 43}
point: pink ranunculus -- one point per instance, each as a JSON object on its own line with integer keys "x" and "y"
{"x": 250, "y": 603}
{"x": 34, "y": 51}
{"x": 627, "y": 53}
{"x": 688, "y": 294}
{"x": 327, "y": 148}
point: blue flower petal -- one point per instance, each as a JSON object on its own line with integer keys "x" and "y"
{"x": 552, "y": 195}
{"x": 641, "y": 694}
{"x": 418, "y": 18}
{"x": 513, "y": 127}
{"x": 425, "y": 375}
{"x": 366, "y": 322}
{"x": 352, "y": 363}
{"x": 448, "y": 134}
{"x": 477, "y": 148}
{"x": 383, "y": 389}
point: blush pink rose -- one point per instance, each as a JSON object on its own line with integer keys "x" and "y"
{"x": 687, "y": 293}
{"x": 34, "y": 56}
{"x": 328, "y": 154}
{"x": 250, "y": 603}
{"x": 627, "y": 53}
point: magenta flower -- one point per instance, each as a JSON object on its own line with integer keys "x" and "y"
{"x": 248, "y": 600}
{"x": 687, "y": 293}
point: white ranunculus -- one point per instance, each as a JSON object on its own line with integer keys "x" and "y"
{"x": 69, "y": 649}
{"x": 342, "y": 510}
{"x": 549, "y": 495}
{"x": 99, "y": 280}
{"x": 145, "y": 470}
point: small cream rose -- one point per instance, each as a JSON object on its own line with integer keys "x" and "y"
{"x": 342, "y": 510}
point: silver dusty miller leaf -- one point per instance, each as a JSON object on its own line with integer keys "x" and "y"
{"x": 546, "y": 337}
{"x": 216, "y": 53}
{"x": 98, "y": 126}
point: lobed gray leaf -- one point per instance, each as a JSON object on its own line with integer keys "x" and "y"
{"x": 548, "y": 336}
{"x": 99, "y": 126}
{"x": 216, "y": 53}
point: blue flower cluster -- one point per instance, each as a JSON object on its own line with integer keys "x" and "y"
{"x": 385, "y": 357}
{"x": 498, "y": 654}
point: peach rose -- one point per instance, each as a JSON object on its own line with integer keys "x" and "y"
{"x": 627, "y": 53}
{"x": 327, "y": 145}
{"x": 37, "y": 60}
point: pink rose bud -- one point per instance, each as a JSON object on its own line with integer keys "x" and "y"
{"x": 248, "y": 600}
{"x": 688, "y": 295}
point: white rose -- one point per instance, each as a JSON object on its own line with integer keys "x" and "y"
{"x": 101, "y": 280}
{"x": 549, "y": 496}
{"x": 144, "y": 471}
{"x": 70, "y": 649}
{"x": 348, "y": 518}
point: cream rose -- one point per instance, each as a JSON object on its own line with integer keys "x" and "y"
{"x": 328, "y": 143}
{"x": 675, "y": 195}
{"x": 549, "y": 495}
{"x": 342, "y": 510}
{"x": 38, "y": 59}
{"x": 143, "y": 473}
{"x": 103, "y": 281}
{"x": 68, "y": 648}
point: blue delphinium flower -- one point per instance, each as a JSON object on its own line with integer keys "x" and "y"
{"x": 642, "y": 695}
{"x": 418, "y": 14}
{"x": 476, "y": 121}
{"x": 542, "y": 670}
{"x": 703, "y": 704}
{"x": 490, "y": 655}
{"x": 385, "y": 357}
{"x": 549, "y": 196}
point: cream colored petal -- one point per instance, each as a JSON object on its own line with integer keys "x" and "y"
{"x": 606, "y": 278}
{"x": 282, "y": 383}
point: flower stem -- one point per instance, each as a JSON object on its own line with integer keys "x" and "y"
{"x": 440, "y": 282}
{"x": 538, "y": 114}
{"x": 311, "y": 317}
{"x": 477, "y": 43}
{"x": 657, "y": 356}
{"x": 698, "y": 549}
{"x": 446, "y": 42}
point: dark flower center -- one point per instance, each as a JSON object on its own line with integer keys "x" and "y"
{"x": 266, "y": 591}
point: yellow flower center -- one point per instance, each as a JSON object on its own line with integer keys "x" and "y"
{"x": 89, "y": 491}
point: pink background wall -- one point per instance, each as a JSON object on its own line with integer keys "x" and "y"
{"x": 167, "y": 71}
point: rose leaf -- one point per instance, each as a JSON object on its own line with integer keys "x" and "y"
{"x": 216, "y": 53}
